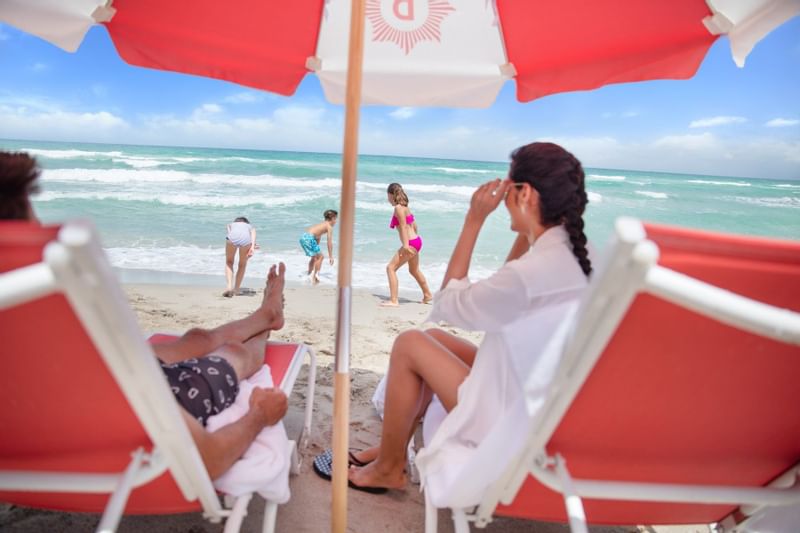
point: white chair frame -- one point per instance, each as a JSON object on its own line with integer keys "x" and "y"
{"x": 76, "y": 266}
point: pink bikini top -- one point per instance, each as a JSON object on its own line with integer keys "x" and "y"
{"x": 393, "y": 224}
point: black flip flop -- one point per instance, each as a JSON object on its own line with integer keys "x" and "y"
{"x": 323, "y": 466}
{"x": 323, "y": 463}
{"x": 370, "y": 490}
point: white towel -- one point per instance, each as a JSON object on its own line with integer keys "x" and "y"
{"x": 264, "y": 467}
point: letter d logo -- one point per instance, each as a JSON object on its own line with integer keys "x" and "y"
{"x": 409, "y": 9}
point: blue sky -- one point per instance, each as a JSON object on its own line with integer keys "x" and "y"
{"x": 725, "y": 121}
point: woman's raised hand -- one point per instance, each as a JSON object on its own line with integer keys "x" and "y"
{"x": 487, "y": 198}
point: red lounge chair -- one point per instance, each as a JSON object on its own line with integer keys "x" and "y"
{"x": 676, "y": 399}
{"x": 88, "y": 421}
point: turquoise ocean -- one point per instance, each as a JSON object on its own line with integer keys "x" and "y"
{"x": 161, "y": 211}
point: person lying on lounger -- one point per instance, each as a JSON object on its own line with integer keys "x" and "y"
{"x": 203, "y": 367}
{"x": 547, "y": 266}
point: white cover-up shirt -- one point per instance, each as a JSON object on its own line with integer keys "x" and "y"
{"x": 524, "y": 309}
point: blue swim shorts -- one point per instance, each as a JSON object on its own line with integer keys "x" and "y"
{"x": 310, "y": 245}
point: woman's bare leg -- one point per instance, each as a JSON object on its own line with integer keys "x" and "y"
{"x": 395, "y": 263}
{"x": 243, "y": 257}
{"x": 462, "y": 349}
{"x": 418, "y": 361}
{"x": 413, "y": 269}
{"x": 230, "y": 254}
{"x": 199, "y": 342}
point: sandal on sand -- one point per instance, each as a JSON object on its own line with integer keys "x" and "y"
{"x": 323, "y": 466}
{"x": 371, "y": 490}
{"x": 323, "y": 463}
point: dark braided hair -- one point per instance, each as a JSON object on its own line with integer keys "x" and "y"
{"x": 18, "y": 180}
{"x": 558, "y": 178}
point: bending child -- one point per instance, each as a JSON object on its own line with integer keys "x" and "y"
{"x": 241, "y": 237}
{"x": 309, "y": 242}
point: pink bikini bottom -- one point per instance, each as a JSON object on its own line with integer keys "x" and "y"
{"x": 416, "y": 243}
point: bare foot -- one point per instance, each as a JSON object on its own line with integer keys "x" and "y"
{"x": 390, "y": 303}
{"x": 426, "y": 299}
{"x": 273, "y": 296}
{"x": 228, "y": 294}
{"x": 373, "y": 475}
{"x": 315, "y": 279}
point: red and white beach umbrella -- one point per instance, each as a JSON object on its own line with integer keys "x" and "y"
{"x": 454, "y": 53}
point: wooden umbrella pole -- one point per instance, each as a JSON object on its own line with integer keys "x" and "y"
{"x": 341, "y": 392}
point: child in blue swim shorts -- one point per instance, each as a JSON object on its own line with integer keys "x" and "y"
{"x": 309, "y": 242}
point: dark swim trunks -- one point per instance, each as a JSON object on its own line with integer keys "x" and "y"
{"x": 203, "y": 386}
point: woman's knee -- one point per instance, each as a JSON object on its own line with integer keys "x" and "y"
{"x": 436, "y": 333}
{"x": 406, "y": 342}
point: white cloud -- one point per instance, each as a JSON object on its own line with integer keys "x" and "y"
{"x": 716, "y": 121}
{"x": 782, "y": 122}
{"x": 26, "y": 123}
{"x": 702, "y": 141}
{"x": 99, "y": 90}
{"x": 209, "y": 109}
{"x": 245, "y": 97}
{"x": 403, "y": 113}
{"x": 39, "y": 67}
{"x": 624, "y": 114}
{"x": 317, "y": 128}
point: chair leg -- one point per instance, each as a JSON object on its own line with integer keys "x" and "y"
{"x": 270, "y": 515}
{"x": 460, "y": 523}
{"x": 431, "y": 516}
{"x": 573, "y": 502}
{"x": 294, "y": 459}
{"x": 238, "y": 511}
{"x": 312, "y": 380}
{"x": 119, "y": 498}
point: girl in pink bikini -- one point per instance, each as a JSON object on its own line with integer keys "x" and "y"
{"x": 411, "y": 244}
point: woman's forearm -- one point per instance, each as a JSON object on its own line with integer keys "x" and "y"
{"x": 458, "y": 267}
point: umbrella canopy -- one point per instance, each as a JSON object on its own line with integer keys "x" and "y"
{"x": 455, "y": 53}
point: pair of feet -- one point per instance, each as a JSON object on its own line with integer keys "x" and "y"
{"x": 426, "y": 299}
{"x": 366, "y": 473}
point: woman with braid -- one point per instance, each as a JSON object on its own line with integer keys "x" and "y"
{"x": 519, "y": 308}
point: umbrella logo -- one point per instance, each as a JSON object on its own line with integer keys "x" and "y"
{"x": 407, "y": 22}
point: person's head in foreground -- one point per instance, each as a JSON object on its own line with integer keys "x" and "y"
{"x": 547, "y": 190}
{"x": 396, "y": 195}
{"x": 331, "y": 215}
{"x": 19, "y": 174}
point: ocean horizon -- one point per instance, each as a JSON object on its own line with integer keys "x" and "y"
{"x": 161, "y": 211}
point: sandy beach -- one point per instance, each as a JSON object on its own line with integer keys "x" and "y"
{"x": 310, "y": 314}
